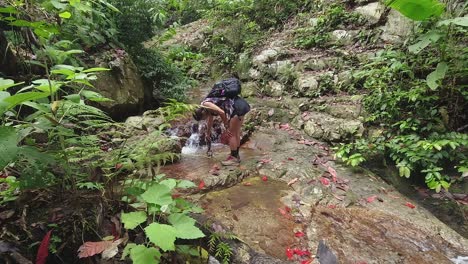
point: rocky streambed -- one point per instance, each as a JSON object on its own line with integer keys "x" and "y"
{"x": 289, "y": 200}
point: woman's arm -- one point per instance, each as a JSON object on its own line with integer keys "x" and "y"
{"x": 218, "y": 110}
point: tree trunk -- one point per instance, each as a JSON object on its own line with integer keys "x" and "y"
{"x": 8, "y": 61}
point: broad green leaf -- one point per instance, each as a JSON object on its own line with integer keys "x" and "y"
{"x": 7, "y": 83}
{"x": 8, "y": 10}
{"x": 424, "y": 41}
{"x": 461, "y": 21}
{"x": 186, "y": 184}
{"x": 185, "y": 226}
{"x": 98, "y": 69}
{"x": 437, "y": 75}
{"x": 47, "y": 87}
{"x": 58, "y": 5}
{"x": 418, "y": 10}
{"x": 65, "y": 15}
{"x": 8, "y": 145}
{"x": 127, "y": 249}
{"x": 162, "y": 235}
{"x": 170, "y": 183}
{"x": 75, "y": 98}
{"x": 94, "y": 96}
{"x": 158, "y": 194}
{"x": 17, "y": 99}
{"x": 143, "y": 255}
{"x": 133, "y": 219}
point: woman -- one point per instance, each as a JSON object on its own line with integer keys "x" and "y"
{"x": 232, "y": 112}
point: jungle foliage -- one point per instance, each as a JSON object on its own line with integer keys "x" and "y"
{"x": 417, "y": 98}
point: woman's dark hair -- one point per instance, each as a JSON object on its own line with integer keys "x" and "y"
{"x": 198, "y": 115}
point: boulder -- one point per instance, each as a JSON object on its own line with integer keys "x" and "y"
{"x": 265, "y": 56}
{"x": 307, "y": 84}
{"x": 326, "y": 127}
{"x": 397, "y": 28}
{"x": 254, "y": 74}
{"x": 147, "y": 122}
{"x": 274, "y": 89}
{"x": 372, "y": 12}
{"x": 343, "y": 37}
{"x": 124, "y": 86}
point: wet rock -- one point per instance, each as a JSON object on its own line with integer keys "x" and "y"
{"x": 326, "y": 127}
{"x": 343, "y": 37}
{"x": 254, "y": 74}
{"x": 372, "y": 11}
{"x": 145, "y": 122}
{"x": 274, "y": 89}
{"x": 325, "y": 254}
{"x": 307, "y": 84}
{"x": 265, "y": 57}
{"x": 397, "y": 28}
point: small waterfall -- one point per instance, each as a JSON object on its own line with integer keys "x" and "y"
{"x": 192, "y": 144}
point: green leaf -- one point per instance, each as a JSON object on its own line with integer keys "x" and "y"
{"x": 65, "y": 15}
{"x": 133, "y": 219}
{"x": 461, "y": 21}
{"x": 185, "y": 184}
{"x": 75, "y": 98}
{"x": 7, "y": 83}
{"x": 143, "y": 255}
{"x": 158, "y": 194}
{"x": 45, "y": 86}
{"x": 185, "y": 226}
{"x": 17, "y": 99}
{"x": 424, "y": 41}
{"x": 418, "y": 10}
{"x": 98, "y": 69}
{"x": 8, "y": 145}
{"x": 437, "y": 75}
{"x": 161, "y": 235}
{"x": 94, "y": 96}
{"x": 170, "y": 183}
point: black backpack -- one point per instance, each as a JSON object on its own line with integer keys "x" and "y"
{"x": 229, "y": 88}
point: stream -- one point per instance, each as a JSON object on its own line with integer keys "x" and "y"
{"x": 289, "y": 200}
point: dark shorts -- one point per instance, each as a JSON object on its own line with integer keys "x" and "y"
{"x": 241, "y": 107}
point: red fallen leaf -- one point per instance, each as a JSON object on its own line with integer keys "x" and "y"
{"x": 331, "y": 206}
{"x": 370, "y": 199}
{"x": 285, "y": 127}
{"x": 265, "y": 161}
{"x": 43, "y": 250}
{"x": 290, "y": 158}
{"x": 298, "y": 234}
{"x": 175, "y": 195}
{"x": 201, "y": 185}
{"x": 265, "y": 178}
{"x": 410, "y": 205}
{"x": 89, "y": 249}
{"x": 118, "y": 166}
{"x": 324, "y": 181}
{"x": 301, "y": 252}
{"x": 289, "y": 253}
{"x": 308, "y": 261}
{"x": 247, "y": 184}
{"x": 332, "y": 173}
{"x": 287, "y": 208}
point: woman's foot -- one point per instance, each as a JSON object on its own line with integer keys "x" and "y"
{"x": 231, "y": 161}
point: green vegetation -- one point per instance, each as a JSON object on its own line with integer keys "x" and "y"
{"x": 418, "y": 100}
{"x": 332, "y": 17}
